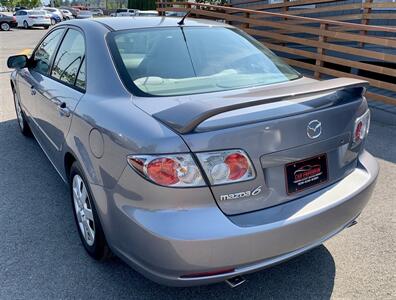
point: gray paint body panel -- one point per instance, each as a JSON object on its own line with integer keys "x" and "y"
{"x": 165, "y": 232}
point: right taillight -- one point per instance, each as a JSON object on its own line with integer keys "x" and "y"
{"x": 229, "y": 166}
{"x": 361, "y": 128}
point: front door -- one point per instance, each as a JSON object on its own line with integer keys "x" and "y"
{"x": 55, "y": 95}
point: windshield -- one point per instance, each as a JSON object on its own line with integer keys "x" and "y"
{"x": 189, "y": 60}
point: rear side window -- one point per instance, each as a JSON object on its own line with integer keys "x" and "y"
{"x": 69, "y": 58}
{"x": 80, "y": 82}
{"x": 36, "y": 13}
{"x": 44, "y": 53}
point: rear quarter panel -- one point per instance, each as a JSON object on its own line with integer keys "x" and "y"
{"x": 107, "y": 109}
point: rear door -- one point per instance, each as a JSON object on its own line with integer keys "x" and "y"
{"x": 20, "y": 17}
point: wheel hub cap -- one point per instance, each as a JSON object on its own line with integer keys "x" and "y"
{"x": 83, "y": 208}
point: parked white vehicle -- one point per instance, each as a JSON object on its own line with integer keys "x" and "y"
{"x": 84, "y": 14}
{"x": 147, "y": 13}
{"x": 54, "y": 11}
{"x": 124, "y": 12}
{"x": 30, "y": 18}
{"x": 67, "y": 14}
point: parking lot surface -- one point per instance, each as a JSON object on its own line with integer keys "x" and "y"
{"x": 41, "y": 255}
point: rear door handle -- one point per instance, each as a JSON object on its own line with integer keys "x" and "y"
{"x": 33, "y": 91}
{"x": 63, "y": 110}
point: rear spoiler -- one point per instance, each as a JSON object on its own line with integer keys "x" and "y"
{"x": 187, "y": 116}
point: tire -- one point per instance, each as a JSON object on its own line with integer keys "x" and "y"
{"x": 5, "y": 26}
{"x": 85, "y": 214}
{"x": 25, "y": 25}
{"x": 21, "y": 118}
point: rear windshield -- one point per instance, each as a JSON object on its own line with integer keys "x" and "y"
{"x": 189, "y": 60}
{"x": 37, "y": 13}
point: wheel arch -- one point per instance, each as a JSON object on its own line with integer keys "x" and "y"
{"x": 68, "y": 161}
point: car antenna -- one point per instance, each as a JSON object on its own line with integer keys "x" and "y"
{"x": 181, "y": 22}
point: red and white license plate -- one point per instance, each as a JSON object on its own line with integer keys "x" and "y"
{"x": 304, "y": 174}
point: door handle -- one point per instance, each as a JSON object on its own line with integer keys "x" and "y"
{"x": 63, "y": 110}
{"x": 33, "y": 91}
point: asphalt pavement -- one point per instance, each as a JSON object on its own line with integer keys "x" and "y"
{"x": 41, "y": 256}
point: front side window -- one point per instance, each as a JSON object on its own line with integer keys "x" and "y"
{"x": 188, "y": 60}
{"x": 69, "y": 57}
{"x": 41, "y": 58}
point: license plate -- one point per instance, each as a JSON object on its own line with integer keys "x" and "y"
{"x": 304, "y": 174}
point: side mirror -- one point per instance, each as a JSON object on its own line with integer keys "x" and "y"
{"x": 17, "y": 61}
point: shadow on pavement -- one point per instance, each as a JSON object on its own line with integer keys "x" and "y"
{"x": 381, "y": 141}
{"x": 41, "y": 255}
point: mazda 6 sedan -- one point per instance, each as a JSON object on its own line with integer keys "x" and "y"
{"x": 191, "y": 151}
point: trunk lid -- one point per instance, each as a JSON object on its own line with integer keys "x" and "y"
{"x": 270, "y": 125}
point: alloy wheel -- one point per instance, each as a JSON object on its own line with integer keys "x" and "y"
{"x": 83, "y": 209}
{"x": 5, "y": 26}
{"x": 25, "y": 25}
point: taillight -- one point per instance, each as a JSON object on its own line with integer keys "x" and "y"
{"x": 175, "y": 170}
{"x": 361, "y": 128}
{"x": 223, "y": 167}
{"x": 32, "y": 17}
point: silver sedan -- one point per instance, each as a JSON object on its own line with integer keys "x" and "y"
{"x": 191, "y": 151}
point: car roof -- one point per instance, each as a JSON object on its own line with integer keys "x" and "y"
{"x": 124, "y": 23}
{"x": 31, "y": 10}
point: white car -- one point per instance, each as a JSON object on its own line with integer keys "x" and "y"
{"x": 32, "y": 18}
{"x": 67, "y": 14}
{"x": 124, "y": 12}
{"x": 97, "y": 12}
{"x": 85, "y": 14}
{"x": 147, "y": 13}
{"x": 54, "y": 11}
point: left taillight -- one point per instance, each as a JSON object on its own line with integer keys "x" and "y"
{"x": 361, "y": 128}
{"x": 174, "y": 170}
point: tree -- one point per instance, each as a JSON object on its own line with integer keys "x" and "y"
{"x": 26, "y": 3}
{"x": 142, "y": 4}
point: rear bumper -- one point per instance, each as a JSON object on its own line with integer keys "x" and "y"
{"x": 164, "y": 245}
{"x": 41, "y": 23}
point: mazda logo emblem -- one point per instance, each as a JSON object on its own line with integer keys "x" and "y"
{"x": 314, "y": 129}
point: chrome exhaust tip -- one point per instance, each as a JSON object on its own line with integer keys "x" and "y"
{"x": 353, "y": 223}
{"x": 235, "y": 281}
